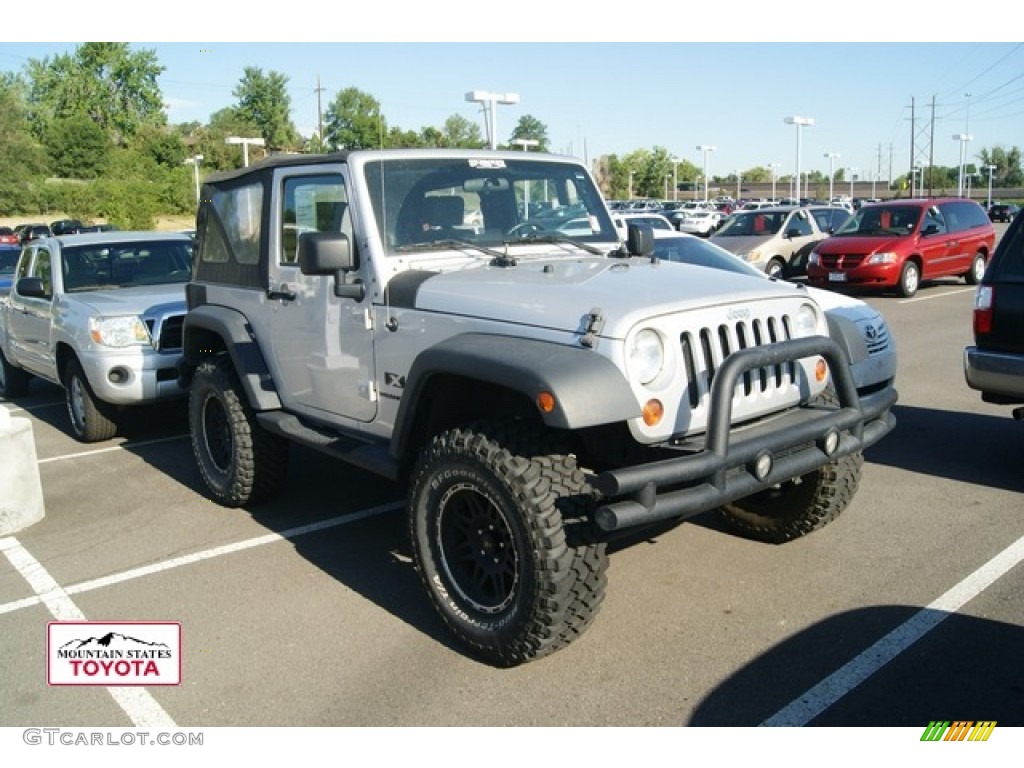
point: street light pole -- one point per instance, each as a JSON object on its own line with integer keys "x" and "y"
{"x": 194, "y": 161}
{"x": 489, "y": 102}
{"x": 706, "y": 149}
{"x": 739, "y": 178}
{"x": 832, "y": 156}
{"x": 675, "y": 178}
{"x": 963, "y": 138}
{"x": 630, "y": 185}
{"x": 774, "y": 167}
{"x": 990, "y": 169}
{"x": 799, "y": 122}
{"x": 245, "y": 146}
{"x": 853, "y": 174}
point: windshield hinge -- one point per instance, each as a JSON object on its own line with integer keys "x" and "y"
{"x": 595, "y": 324}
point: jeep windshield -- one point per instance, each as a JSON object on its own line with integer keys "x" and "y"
{"x": 490, "y": 201}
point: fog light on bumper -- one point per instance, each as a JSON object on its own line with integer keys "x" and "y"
{"x": 762, "y": 465}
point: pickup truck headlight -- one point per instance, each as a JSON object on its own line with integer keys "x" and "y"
{"x": 885, "y": 257}
{"x": 119, "y": 331}
{"x": 646, "y": 355}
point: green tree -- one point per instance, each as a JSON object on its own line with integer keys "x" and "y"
{"x": 22, "y": 158}
{"x": 263, "y": 101}
{"x": 78, "y": 147}
{"x": 529, "y": 127}
{"x": 461, "y": 133}
{"x": 112, "y": 85}
{"x": 1007, "y": 171}
{"x": 354, "y": 121}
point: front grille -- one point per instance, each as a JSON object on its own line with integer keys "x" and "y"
{"x": 842, "y": 261}
{"x": 704, "y": 351}
{"x": 166, "y": 332}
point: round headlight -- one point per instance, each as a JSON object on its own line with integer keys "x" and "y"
{"x": 806, "y": 322}
{"x": 646, "y": 355}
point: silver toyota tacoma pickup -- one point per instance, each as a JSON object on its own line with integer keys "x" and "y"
{"x": 469, "y": 325}
{"x": 99, "y": 314}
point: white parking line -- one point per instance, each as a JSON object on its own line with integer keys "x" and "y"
{"x": 118, "y": 447}
{"x": 227, "y": 549}
{"x": 826, "y": 693}
{"x": 936, "y": 296}
{"x": 137, "y": 703}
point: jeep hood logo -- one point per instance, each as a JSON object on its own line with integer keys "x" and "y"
{"x": 737, "y": 314}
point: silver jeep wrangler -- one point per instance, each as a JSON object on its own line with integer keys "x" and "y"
{"x": 468, "y": 323}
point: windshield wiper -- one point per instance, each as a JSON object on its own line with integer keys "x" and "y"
{"x": 435, "y": 245}
{"x": 555, "y": 238}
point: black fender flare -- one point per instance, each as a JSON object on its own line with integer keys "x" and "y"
{"x": 589, "y": 390}
{"x": 234, "y": 330}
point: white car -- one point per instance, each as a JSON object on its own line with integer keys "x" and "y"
{"x": 699, "y": 222}
{"x": 855, "y": 325}
{"x": 623, "y": 220}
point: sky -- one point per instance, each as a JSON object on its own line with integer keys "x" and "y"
{"x": 720, "y": 87}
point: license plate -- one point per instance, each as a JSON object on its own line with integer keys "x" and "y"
{"x": 837, "y": 277}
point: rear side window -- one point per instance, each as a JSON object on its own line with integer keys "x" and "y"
{"x": 961, "y": 215}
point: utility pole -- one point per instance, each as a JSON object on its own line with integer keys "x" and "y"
{"x": 931, "y": 150}
{"x": 319, "y": 114}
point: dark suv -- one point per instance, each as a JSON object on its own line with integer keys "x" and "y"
{"x": 899, "y": 243}
{"x": 1002, "y": 211}
{"x": 995, "y": 364}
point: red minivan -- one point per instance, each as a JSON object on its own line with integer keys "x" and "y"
{"x": 899, "y": 243}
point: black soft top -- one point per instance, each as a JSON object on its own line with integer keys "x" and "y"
{"x": 275, "y": 161}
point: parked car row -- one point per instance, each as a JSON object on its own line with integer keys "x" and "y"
{"x": 23, "y": 233}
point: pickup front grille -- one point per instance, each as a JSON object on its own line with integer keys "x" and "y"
{"x": 166, "y": 332}
{"x": 704, "y": 351}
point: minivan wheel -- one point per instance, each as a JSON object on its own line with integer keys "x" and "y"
{"x": 977, "y": 271}
{"x": 910, "y": 280}
{"x": 775, "y": 268}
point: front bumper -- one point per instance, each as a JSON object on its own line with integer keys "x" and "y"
{"x": 995, "y": 373}
{"x": 878, "y": 275}
{"x": 722, "y": 470}
{"x": 134, "y": 376}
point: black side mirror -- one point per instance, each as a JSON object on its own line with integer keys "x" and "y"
{"x": 32, "y": 287}
{"x": 330, "y": 253}
{"x": 640, "y": 239}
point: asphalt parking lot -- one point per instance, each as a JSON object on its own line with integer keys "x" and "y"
{"x": 307, "y": 612}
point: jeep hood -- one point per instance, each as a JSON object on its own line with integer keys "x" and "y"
{"x": 560, "y": 294}
{"x": 133, "y": 301}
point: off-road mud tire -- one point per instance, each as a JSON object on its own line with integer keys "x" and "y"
{"x": 240, "y": 462}
{"x": 502, "y": 539}
{"x": 798, "y": 507}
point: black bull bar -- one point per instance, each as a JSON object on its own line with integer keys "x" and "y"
{"x": 796, "y": 441}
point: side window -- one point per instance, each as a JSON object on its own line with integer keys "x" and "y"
{"x": 933, "y": 218}
{"x": 964, "y": 215}
{"x": 23, "y": 266}
{"x": 802, "y": 226}
{"x": 239, "y": 210}
{"x": 43, "y": 270}
{"x": 312, "y": 204}
{"x": 1009, "y": 262}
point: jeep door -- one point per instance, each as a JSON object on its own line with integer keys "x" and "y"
{"x": 321, "y": 346}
